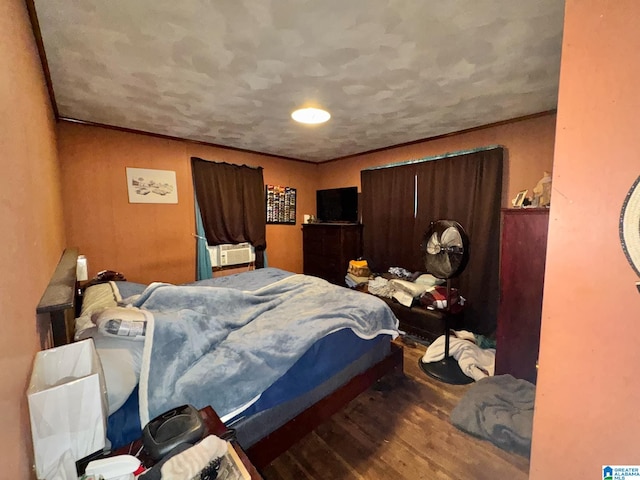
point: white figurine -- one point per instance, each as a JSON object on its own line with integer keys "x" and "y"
{"x": 542, "y": 191}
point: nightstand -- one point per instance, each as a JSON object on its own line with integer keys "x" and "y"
{"x": 213, "y": 426}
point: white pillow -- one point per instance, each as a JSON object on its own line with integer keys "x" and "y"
{"x": 95, "y": 298}
{"x": 120, "y": 358}
{"x": 411, "y": 288}
{"x": 405, "y": 291}
{"x": 121, "y": 361}
{"x": 429, "y": 280}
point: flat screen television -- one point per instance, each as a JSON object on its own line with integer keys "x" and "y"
{"x": 337, "y": 205}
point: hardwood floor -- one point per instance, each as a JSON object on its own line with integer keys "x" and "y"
{"x": 399, "y": 429}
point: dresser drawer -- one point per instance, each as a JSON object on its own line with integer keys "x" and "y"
{"x": 327, "y": 249}
{"x": 319, "y": 265}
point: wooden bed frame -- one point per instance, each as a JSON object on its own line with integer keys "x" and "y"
{"x": 277, "y": 442}
{"x": 59, "y": 301}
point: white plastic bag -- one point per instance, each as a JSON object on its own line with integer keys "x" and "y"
{"x": 67, "y": 404}
{"x": 64, "y": 469}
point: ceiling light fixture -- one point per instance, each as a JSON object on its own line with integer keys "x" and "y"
{"x": 311, "y": 115}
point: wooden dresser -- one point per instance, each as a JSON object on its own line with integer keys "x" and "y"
{"x": 328, "y": 247}
{"x": 522, "y": 263}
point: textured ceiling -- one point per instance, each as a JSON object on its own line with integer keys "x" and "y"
{"x": 230, "y": 72}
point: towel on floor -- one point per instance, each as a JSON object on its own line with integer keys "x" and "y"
{"x": 498, "y": 409}
{"x": 475, "y": 362}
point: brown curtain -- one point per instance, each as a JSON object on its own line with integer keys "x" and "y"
{"x": 387, "y": 210}
{"x": 232, "y": 203}
{"x": 466, "y": 188}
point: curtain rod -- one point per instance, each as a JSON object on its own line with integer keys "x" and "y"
{"x": 436, "y": 157}
{"x": 222, "y": 162}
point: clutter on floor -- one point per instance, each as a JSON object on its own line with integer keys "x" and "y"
{"x": 474, "y": 361}
{"x": 498, "y": 409}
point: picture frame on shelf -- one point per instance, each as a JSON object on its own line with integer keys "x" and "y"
{"x": 519, "y": 200}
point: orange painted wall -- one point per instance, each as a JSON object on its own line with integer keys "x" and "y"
{"x": 284, "y": 242}
{"x": 31, "y": 237}
{"x": 146, "y": 242}
{"x": 150, "y": 242}
{"x": 529, "y": 144}
{"x": 155, "y": 242}
{"x": 588, "y": 394}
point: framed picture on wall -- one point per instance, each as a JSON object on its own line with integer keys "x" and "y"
{"x": 280, "y": 204}
{"x": 151, "y": 186}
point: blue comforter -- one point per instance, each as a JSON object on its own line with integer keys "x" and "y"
{"x": 223, "y": 347}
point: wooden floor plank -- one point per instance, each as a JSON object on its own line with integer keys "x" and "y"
{"x": 287, "y": 468}
{"x": 321, "y": 461}
{"x": 362, "y": 452}
{"x": 398, "y": 429}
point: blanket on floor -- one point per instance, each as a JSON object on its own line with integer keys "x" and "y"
{"x": 224, "y": 347}
{"x": 498, "y": 409}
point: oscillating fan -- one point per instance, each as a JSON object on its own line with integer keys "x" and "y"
{"x": 446, "y": 252}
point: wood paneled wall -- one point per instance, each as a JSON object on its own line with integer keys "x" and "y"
{"x": 152, "y": 242}
{"x": 155, "y": 242}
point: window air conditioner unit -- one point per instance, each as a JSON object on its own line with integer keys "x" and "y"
{"x": 231, "y": 254}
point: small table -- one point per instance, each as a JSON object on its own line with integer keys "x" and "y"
{"x": 213, "y": 426}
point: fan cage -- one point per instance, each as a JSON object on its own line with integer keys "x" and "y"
{"x": 445, "y": 257}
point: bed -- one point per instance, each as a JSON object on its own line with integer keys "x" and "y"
{"x": 277, "y": 352}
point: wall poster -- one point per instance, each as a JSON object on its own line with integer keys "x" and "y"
{"x": 281, "y": 204}
{"x": 151, "y": 186}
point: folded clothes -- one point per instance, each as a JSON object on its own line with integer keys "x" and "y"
{"x": 359, "y": 268}
{"x": 381, "y": 287}
{"x": 400, "y": 272}
{"x": 358, "y": 278}
{"x": 413, "y": 289}
{"x": 436, "y": 299}
{"x": 428, "y": 280}
{"x": 403, "y": 298}
{"x": 405, "y": 291}
{"x": 353, "y": 281}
